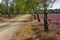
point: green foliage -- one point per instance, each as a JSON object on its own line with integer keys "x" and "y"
{"x": 25, "y": 6}
{"x": 54, "y": 11}
{"x": 0, "y": 8}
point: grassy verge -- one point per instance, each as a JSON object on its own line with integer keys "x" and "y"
{"x": 3, "y": 19}
{"x": 34, "y": 31}
{"x": 24, "y": 32}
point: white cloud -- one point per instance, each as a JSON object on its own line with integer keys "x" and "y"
{"x": 56, "y": 5}
{"x": 0, "y": 1}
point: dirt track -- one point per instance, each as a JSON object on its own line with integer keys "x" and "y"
{"x": 9, "y": 28}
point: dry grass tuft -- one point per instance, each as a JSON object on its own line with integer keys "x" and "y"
{"x": 2, "y": 19}
{"x": 24, "y": 32}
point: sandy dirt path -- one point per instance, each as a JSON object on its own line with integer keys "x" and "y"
{"x": 8, "y": 28}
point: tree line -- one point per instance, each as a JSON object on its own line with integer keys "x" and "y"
{"x": 54, "y": 11}
{"x": 27, "y": 6}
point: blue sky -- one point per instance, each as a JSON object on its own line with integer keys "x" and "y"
{"x": 56, "y": 5}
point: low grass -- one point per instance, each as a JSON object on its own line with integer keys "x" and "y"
{"x": 3, "y": 19}
{"x": 24, "y": 32}
{"x": 34, "y": 31}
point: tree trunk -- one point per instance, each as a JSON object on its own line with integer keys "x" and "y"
{"x": 38, "y": 17}
{"x": 33, "y": 14}
{"x": 8, "y": 9}
{"x": 45, "y": 17}
{"x": 45, "y": 21}
{"x": 14, "y": 6}
{"x": 37, "y": 12}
